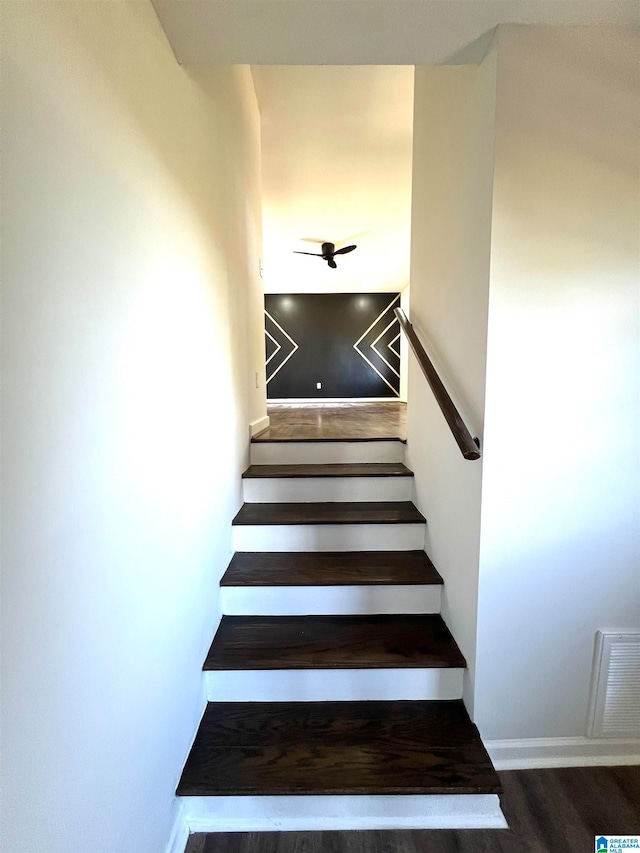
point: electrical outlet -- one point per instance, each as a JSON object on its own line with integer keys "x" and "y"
{"x": 318, "y": 385}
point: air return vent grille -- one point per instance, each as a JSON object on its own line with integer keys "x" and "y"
{"x": 615, "y": 688}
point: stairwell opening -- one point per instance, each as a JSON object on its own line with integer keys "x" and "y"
{"x": 336, "y": 168}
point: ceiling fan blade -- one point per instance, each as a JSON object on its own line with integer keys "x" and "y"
{"x": 328, "y": 248}
{"x": 345, "y": 250}
{"x": 315, "y": 254}
{"x": 332, "y": 264}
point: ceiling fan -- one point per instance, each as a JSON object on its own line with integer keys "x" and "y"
{"x": 329, "y": 252}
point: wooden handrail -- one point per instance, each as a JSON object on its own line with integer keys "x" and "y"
{"x": 457, "y": 426}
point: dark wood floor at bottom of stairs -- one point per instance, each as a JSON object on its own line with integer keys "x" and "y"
{"x": 548, "y": 811}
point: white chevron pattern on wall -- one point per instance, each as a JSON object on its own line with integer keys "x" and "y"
{"x": 387, "y": 322}
{"x": 392, "y": 348}
{"x": 286, "y": 345}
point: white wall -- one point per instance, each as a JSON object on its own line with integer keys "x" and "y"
{"x": 451, "y": 222}
{"x": 336, "y": 166}
{"x": 560, "y": 506}
{"x": 131, "y": 330}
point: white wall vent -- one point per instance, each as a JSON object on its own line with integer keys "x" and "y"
{"x": 614, "y": 707}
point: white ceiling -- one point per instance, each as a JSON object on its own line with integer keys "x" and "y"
{"x": 336, "y": 162}
{"x": 362, "y": 32}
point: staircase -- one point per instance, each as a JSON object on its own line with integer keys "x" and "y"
{"x": 334, "y": 685}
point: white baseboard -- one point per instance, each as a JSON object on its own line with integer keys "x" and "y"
{"x": 180, "y": 831}
{"x": 533, "y": 753}
{"x": 258, "y": 426}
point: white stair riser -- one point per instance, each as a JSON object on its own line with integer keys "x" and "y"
{"x": 331, "y": 812}
{"x": 329, "y": 537}
{"x": 341, "y": 685}
{"x": 329, "y": 489}
{"x": 325, "y": 452}
{"x": 329, "y": 600}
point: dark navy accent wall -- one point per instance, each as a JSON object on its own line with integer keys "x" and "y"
{"x": 349, "y": 342}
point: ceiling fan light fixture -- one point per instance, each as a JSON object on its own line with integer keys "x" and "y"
{"x": 329, "y": 252}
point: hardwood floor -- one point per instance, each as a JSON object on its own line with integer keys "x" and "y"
{"x": 549, "y": 811}
{"x": 333, "y": 642}
{"x": 335, "y": 421}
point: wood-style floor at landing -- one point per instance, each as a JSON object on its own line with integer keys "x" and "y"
{"x": 548, "y": 811}
{"x": 335, "y": 421}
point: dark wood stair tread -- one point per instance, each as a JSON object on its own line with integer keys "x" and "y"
{"x": 333, "y": 642}
{"x": 282, "y": 748}
{"x": 330, "y": 568}
{"x": 354, "y": 469}
{"x": 347, "y": 512}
